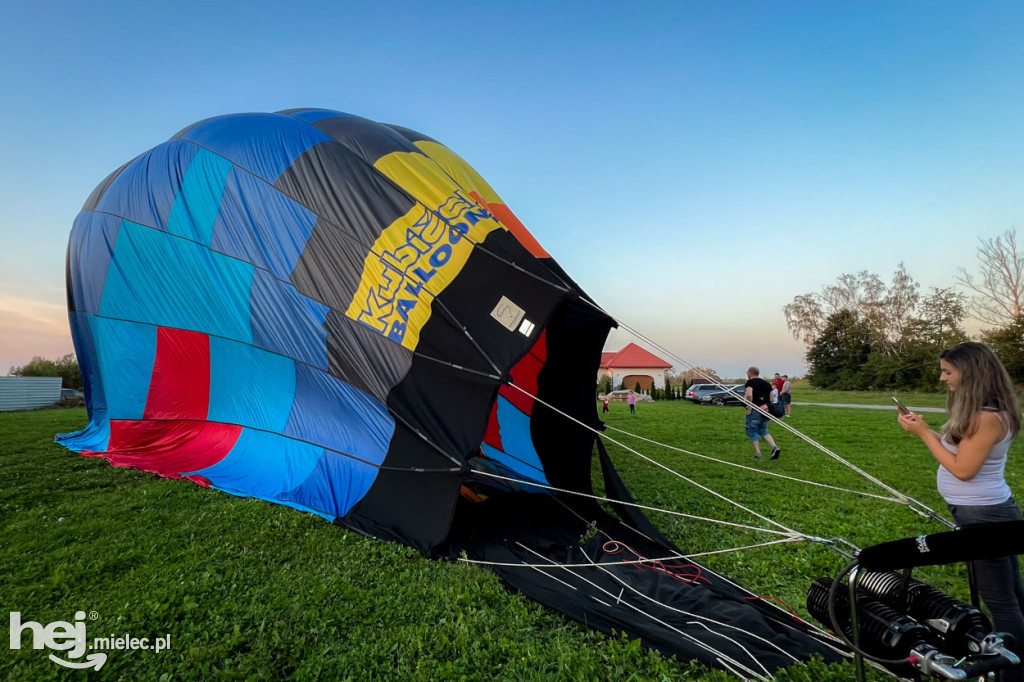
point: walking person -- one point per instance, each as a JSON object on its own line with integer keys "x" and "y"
{"x": 758, "y": 391}
{"x": 632, "y": 402}
{"x": 971, "y": 449}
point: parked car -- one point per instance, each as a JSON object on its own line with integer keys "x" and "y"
{"x": 733, "y": 396}
{"x": 71, "y": 393}
{"x": 695, "y": 392}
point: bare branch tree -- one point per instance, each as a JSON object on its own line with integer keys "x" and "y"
{"x": 999, "y": 292}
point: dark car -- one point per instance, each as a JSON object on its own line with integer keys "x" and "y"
{"x": 733, "y": 396}
{"x": 71, "y": 393}
{"x": 697, "y": 391}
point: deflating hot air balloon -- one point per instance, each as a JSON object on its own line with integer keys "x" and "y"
{"x": 342, "y": 316}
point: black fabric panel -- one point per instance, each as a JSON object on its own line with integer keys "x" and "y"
{"x": 411, "y": 135}
{"x": 368, "y": 139}
{"x": 410, "y": 507}
{"x": 472, "y": 296}
{"x": 362, "y": 358}
{"x": 331, "y": 266}
{"x": 448, "y": 405}
{"x": 575, "y": 338}
{"x": 616, "y": 598}
{"x": 341, "y": 189}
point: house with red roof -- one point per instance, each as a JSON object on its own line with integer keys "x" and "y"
{"x": 633, "y": 365}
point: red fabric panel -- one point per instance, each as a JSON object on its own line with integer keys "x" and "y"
{"x": 507, "y": 218}
{"x": 169, "y": 448}
{"x": 524, "y": 375}
{"x": 180, "y": 385}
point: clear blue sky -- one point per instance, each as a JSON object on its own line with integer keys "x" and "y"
{"x": 693, "y": 165}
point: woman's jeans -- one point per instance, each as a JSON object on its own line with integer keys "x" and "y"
{"x": 999, "y": 582}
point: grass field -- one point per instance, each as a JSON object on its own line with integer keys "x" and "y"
{"x": 250, "y": 590}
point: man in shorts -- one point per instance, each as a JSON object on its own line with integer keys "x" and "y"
{"x": 785, "y": 396}
{"x": 758, "y": 391}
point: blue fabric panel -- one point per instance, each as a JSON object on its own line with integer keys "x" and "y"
{"x": 250, "y": 386}
{"x": 286, "y": 322}
{"x": 145, "y": 190}
{"x": 314, "y": 115}
{"x": 92, "y": 242}
{"x": 514, "y": 427}
{"x": 88, "y": 362}
{"x": 264, "y": 465}
{"x": 259, "y": 224}
{"x": 264, "y": 144}
{"x": 197, "y": 204}
{"x": 339, "y": 417}
{"x": 171, "y": 282}
{"x": 125, "y": 351}
{"x": 335, "y": 486}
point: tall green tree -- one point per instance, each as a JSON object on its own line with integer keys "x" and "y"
{"x": 1008, "y": 343}
{"x": 837, "y": 356}
{"x": 65, "y": 367}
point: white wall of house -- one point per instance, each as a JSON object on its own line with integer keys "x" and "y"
{"x": 620, "y": 373}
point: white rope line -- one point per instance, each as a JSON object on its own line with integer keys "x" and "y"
{"x": 633, "y": 562}
{"x": 756, "y": 470}
{"x": 909, "y": 501}
{"x": 644, "y": 457}
{"x": 685, "y": 635}
{"x": 787, "y": 533}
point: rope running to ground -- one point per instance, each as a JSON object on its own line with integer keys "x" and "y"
{"x": 914, "y": 504}
{"x": 758, "y": 471}
{"x": 788, "y": 531}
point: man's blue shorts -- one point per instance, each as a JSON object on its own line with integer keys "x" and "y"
{"x": 757, "y": 425}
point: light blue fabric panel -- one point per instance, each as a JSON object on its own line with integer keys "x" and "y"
{"x": 171, "y": 282}
{"x": 93, "y": 437}
{"x": 286, "y": 322}
{"x": 197, "y": 204}
{"x": 263, "y": 144}
{"x": 250, "y": 386}
{"x": 125, "y": 352}
{"x": 265, "y": 465}
{"x": 339, "y": 417}
{"x": 260, "y": 225}
{"x": 520, "y": 454}
{"x": 144, "y": 192}
{"x": 335, "y": 486}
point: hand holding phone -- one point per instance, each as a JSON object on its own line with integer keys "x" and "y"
{"x": 900, "y": 406}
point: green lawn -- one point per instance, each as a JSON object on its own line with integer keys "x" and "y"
{"x": 251, "y": 590}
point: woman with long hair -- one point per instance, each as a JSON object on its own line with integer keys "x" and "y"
{"x": 971, "y": 449}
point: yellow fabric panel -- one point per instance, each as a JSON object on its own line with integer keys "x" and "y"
{"x": 463, "y": 174}
{"x": 418, "y": 255}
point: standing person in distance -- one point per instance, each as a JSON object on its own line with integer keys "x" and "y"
{"x": 786, "y": 395}
{"x": 758, "y": 391}
{"x": 971, "y": 449}
{"x": 632, "y": 402}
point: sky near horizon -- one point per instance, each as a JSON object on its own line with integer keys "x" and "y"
{"x": 694, "y": 166}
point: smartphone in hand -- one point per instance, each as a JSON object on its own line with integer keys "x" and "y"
{"x": 900, "y": 406}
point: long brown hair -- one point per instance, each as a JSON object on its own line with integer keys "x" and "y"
{"x": 985, "y": 385}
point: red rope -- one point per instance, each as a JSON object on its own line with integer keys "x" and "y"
{"x": 684, "y": 573}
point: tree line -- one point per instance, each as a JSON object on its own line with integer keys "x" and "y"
{"x": 862, "y": 333}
